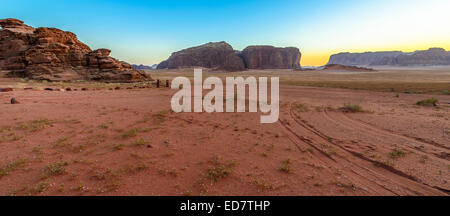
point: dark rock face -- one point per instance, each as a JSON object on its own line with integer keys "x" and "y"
{"x": 56, "y": 55}
{"x": 269, "y": 57}
{"x": 360, "y": 59}
{"x": 163, "y": 65}
{"x": 220, "y": 56}
{"x": 430, "y": 57}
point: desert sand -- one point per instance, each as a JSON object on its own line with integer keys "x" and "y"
{"x": 128, "y": 142}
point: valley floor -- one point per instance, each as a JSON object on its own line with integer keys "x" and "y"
{"x": 128, "y": 142}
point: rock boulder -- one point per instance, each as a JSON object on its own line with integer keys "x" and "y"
{"x": 56, "y": 55}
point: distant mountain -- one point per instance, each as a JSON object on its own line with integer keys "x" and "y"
{"x": 430, "y": 57}
{"x": 361, "y": 59}
{"x": 144, "y": 67}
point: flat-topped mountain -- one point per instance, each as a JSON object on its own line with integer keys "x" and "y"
{"x": 269, "y": 57}
{"x": 219, "y": 55}
{"x": 360, "y": 59}
{"x": 222, "y": 56}
{"x": 56, "y": 55}
{"x": 430, "y": 57}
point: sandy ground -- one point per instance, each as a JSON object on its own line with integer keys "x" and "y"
{"x": 128, "y": 142}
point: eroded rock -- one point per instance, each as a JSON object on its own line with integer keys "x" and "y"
{"x": 269, "y": 57}
{"x": 218, "y": 56}
{"x": 56, "y": 55}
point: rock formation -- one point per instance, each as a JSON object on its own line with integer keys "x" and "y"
{"x": 56, "y": 55}
{"x": 221, "y": 56}
{"x": 269, "y": 57}
{"x": 360, "y": 59}
{"x": 430, "y": 57}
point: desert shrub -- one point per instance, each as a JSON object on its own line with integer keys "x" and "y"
{"x": 428, "y": 102}
{"x": 220, "y": 170}
{"x": 396, "y": 153}
{"x": 285, "y": 166}
{"x": 351, "y": 108}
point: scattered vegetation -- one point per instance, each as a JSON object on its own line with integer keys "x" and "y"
{"x": 57, "y": 168}
{"x": 103, "y": 126}
{"x": 428, "y": 102}
{"x": 220, "y": 170}
{"x": 41, "y": 187}
{"x": 380, "y": 86}
{"x": 172, "y": 172}
{"x": 160, "y": 117}
{"x": 36, "y": 125}
{"x": 285, "y": 166}
{"x": 301, "y": 108}
{"x": 396, "y": 153}
{"x": 263, "y": 185}
{"x": 6, "y": 170}
{"x": 140, "y": 166}
{"x": 130, "y": 133}
{"x": 140, "y": 142}
{"x": 61, "y": 142}
{"x": 351, "y": 108}
{"x": 118, "y": 146}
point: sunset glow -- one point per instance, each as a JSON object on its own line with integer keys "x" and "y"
{"x": 147, "y": 32}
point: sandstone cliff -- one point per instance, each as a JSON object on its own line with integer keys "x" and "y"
{"x": 221, "y": 56}
{"x": 56, "y": 55}
{"x": 360, "y": 59}
{"x": 269, "y": 57}
{"x": 430, "y": 57}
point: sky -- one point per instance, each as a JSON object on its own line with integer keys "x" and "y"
{"x": 147, "y": 32}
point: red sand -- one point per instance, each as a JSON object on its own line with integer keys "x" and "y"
{"x": 394, "y": 148}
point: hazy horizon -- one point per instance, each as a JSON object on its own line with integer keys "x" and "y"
{"x": 147, "y": 32}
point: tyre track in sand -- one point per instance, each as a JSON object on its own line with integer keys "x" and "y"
{"x": 407, "y": 137}
{"x": 442, "y": 153}
{"x": 323, "y": 159}
{"x": 387, "y": 177}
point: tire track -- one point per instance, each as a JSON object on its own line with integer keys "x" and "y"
{"x": 395, "y": 174}
{"x": 442, "y": 155}
{"x": 414, "y": 139}
{"x": 369, "y": 182}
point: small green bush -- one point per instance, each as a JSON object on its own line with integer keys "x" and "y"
{"x": 428, "y": 102}
{"x": 351, "y": 108}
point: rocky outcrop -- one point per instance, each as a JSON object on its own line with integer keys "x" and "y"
{"x": 56, "y": 55}
{"x": 430, "y": 57}
{"x": 360, "y": 59}
{"x": 269, "y": 57}
{"x": 221, "y": 56}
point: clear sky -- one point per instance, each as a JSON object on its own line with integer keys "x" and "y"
{"x": 149, "y": 31}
